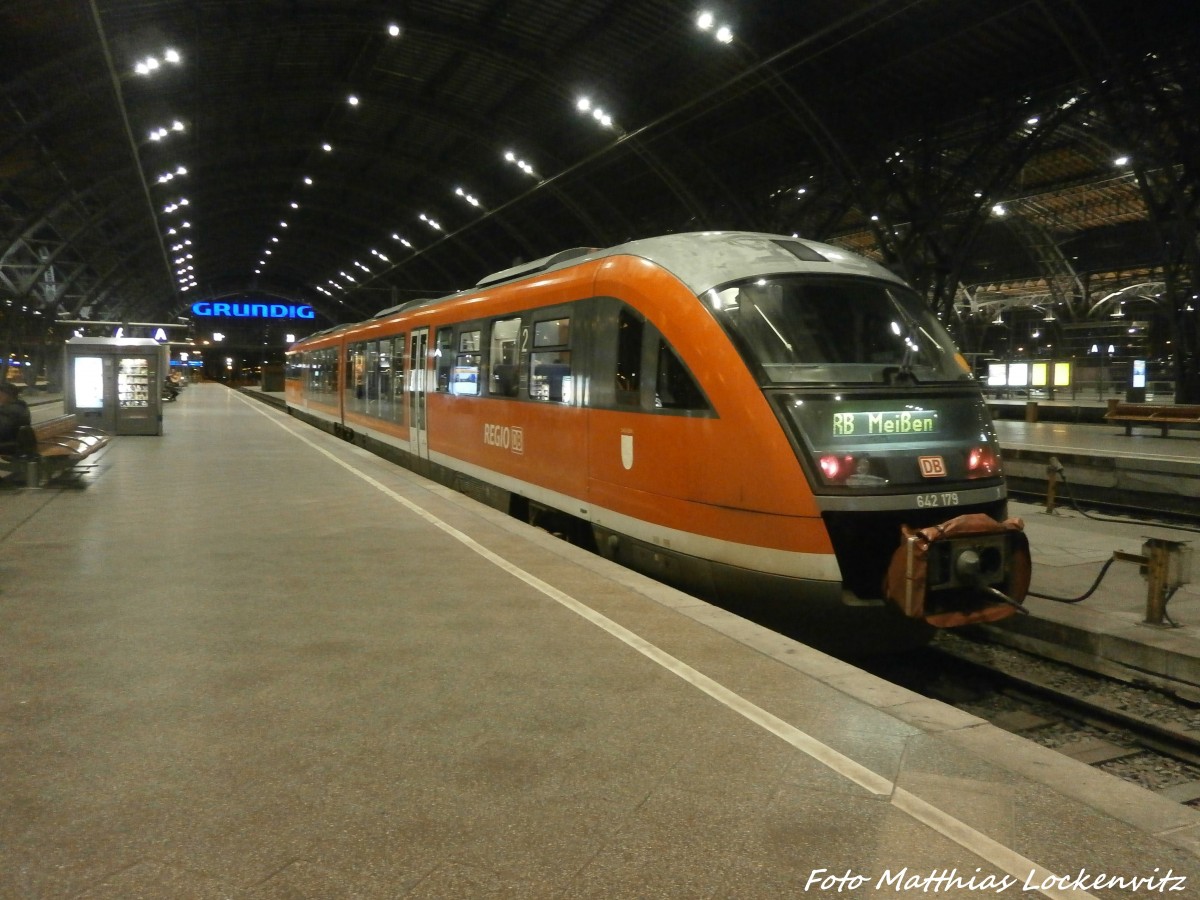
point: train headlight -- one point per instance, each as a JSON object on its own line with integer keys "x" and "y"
{"x": 982, "y": 461}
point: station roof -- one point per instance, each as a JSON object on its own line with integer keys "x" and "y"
{"x": 354, "y": 154}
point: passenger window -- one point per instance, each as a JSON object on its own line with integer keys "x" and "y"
{"x": 464, "y": 377}
{"x": 503, "y": 357}
{"x": 630, "y": 328}
{"x": 444, "y": 355}
{"x": 383, "y": 378}
{"x": 675, "y": 387}
{"x": 397, "y": 378}
{"x": 551, "y": 333}
{"x": 322, "y": 374}
{"x": 550, "y": 377}
{"x": 371, "y": 378}
{"x": 356, "y": 376}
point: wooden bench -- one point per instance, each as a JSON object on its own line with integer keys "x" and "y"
{"x": 48, "y": 449}
{"x": 1164, "y": 418}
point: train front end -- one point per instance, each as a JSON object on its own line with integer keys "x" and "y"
{"x": 910, "y": 487}
{"x": 892, "y": 433}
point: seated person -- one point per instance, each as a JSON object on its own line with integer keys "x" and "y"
{"x": 14, "y": 413}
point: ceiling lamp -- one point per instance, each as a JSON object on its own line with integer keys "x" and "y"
{"x": 706, "y": 21}
{"x": 470, "y": 199}
{"x": 519, "y": 163}
{"x": 584, "y": 105}
{"x": 151, "y": 64}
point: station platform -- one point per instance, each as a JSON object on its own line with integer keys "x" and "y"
{"x": 1107, "y": 632}
{"x": 247, "y": 659}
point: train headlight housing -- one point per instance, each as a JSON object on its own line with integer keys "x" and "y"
{"x": 836, "y": 468}
{"x": 852, "y": 471}
{"x": 982, "y": 462}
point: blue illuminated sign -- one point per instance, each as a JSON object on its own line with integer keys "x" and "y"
{"x": 252, "y": 310}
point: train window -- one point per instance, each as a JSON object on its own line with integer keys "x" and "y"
{"x": 322, "y": 375}
{"x": 383, "y": 379}
{"x": 502, "y": 357}
{"x": 293, "y": 366}
{"x": 356, "y": 376}
{"x": 630, "y": 327}
{"x": 396, "y": 379}
{"x": 444, "y": 355}
{"x": 803, "y": 329}
{"x": 674, "y": 387}
{"x": 552, "y": 333}
{"x": 464, "y": 377}
{"x": 333, "y": 372}
{"x": 550, "y": 375}
{"x": 371, "y": 383}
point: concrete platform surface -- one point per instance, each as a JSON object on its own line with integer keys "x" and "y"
{"x": 245, "y": 659}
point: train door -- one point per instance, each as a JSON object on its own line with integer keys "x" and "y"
{"x": 418, "y": 378}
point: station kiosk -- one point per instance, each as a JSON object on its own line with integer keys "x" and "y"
{"x": 115, "y": 384}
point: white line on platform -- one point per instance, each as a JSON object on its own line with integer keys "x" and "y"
{"x": 1002, "y": 857}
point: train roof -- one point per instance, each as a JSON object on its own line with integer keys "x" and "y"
{"x": 706, "y": 259}
{"x": 700, "y": 259}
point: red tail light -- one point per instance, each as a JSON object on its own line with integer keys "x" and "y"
{"x": 836, "y": 468}
{"x": 982, "y": 461}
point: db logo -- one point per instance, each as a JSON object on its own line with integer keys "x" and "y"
{"x": 932, "y": 466}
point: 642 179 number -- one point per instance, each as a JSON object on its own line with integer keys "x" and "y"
{"x": 946, "y": 498}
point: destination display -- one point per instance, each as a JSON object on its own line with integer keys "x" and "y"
{"x": 885, "y": 423}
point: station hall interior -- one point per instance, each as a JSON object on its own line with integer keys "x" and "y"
{"x": 1029, "y": 167}
{"x": 246, "y": 657}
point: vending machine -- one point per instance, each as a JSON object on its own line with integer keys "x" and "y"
{"x": 115, "y": 384}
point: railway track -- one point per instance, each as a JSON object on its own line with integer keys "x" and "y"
{"x": 1162, "y": 515}
{"x": 1133, "y": 732}
{"x": 1069, "y": 487}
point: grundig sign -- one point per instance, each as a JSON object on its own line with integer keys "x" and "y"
{"x": 252, "y": 310}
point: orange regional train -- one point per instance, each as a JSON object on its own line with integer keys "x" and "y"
{"x": 738, "y": 414}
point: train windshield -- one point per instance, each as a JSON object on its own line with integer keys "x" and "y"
{"x": 804, "y": 329}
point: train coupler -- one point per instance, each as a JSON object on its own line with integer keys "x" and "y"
{"x": 965, "y": 570}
